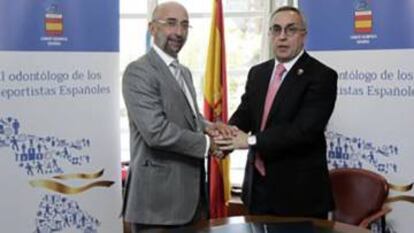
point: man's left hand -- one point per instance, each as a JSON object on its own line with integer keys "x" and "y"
{"x": 239, "y": 141}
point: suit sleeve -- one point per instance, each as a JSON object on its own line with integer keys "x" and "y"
{"x": 145, "y": 110}
{"x": 307, "y": 126}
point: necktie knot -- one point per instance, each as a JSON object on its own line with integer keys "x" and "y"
{"x": 174, "y": 67}
{"x": 174, "y": 64}
{"x": 280, "y": 69}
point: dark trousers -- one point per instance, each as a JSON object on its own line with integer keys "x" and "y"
{"x": 260, "y": 203}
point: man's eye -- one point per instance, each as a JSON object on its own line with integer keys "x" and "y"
{"x": 292, "y": 29}
{"x": 277, "y": 29}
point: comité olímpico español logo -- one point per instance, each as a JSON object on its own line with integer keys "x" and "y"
{"x": 363, "y": 22}
{"x": 53, "y": 20}
{"x": 362, "y": 17}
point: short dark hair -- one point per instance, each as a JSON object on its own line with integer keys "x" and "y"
{"x": 290, "y": 8}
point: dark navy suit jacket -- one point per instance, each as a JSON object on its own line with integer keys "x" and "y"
{"x": 292, "y": 144}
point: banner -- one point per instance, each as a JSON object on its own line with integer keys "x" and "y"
{"x": 371, "y": 46}
{"x": 215, "y": 109}
{"x": 59, "y": 119}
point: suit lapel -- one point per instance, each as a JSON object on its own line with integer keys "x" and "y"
{"x": 160, "y": 66}
{"x": 189, "y": 82}
{"x": 263, "y": 84}
{"x": 167, "y": 76}
{"x": 288, "y": 83}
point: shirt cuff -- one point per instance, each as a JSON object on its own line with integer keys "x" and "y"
{"x": 207, "y": 146}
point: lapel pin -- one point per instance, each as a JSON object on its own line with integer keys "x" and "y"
{"x": 300, "y": 72}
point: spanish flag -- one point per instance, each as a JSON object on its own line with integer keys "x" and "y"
{"x": 54, "y": 24}
{"x": 363, "y": 21}
{"x": 215, "y": 109}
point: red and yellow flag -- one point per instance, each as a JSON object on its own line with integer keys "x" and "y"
{"x": 215, "y": 109}
{"x": 363, "y": 21}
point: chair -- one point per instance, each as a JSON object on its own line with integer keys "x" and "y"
{"x": 359, "y": 196}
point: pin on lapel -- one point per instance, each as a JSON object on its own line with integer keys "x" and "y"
{"x": 300, "y": 72}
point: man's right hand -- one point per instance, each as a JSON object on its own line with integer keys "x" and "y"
{"x": 214, "y": 149}
{"x": 220, "y": 129}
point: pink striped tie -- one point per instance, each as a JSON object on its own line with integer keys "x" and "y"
{"x": 271, "y": 93}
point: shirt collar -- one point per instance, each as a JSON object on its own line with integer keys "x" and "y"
{"x": 288, "y": 65}
{"x": 164, "y": 56}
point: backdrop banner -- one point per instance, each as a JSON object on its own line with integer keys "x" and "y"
{"x": 371, "y": 45}
{"x": 59, "y": 118}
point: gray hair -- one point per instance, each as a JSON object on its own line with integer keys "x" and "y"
{"x": 290, "y": 8}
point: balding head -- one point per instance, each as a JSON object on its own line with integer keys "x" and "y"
{"x": 165, "y": 8}
{"x": 169, "y": 27}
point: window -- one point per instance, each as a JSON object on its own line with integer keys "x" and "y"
{"x": 245, "y": 32}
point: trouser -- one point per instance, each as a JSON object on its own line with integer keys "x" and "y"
{"x": 200, "y": 214}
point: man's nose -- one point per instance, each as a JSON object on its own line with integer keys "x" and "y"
{"x": 179, "y": 30}
{"x": 282, "y": 34}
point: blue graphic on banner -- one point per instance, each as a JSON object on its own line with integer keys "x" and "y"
{"x": 39, "y": 155}
{"x": 57, "y": 25}
{"x": 359, "y": 24}
{"x": 356, "y": 152}
{"x": 57, "y": 213}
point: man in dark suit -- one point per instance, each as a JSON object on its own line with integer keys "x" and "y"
{"x": 165, "y": 184}
{"x": 282, "y": 118}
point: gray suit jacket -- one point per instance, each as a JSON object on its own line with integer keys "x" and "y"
{"x": 167, "y": 145}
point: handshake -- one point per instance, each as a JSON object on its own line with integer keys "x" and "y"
{"x": 225, "y": 138}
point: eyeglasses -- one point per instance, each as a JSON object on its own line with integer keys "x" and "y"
{"x": 173, "y": 23}
{"x": 289, "y": 30}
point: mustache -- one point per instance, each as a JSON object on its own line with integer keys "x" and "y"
{"x": 176, "y": 38}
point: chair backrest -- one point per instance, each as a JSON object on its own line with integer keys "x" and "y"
{"x": 357, "y": 193}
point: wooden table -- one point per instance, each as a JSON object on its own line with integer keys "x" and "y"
{"x": 216, "y": 225}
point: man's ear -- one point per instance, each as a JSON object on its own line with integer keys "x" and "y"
{"x": 151, "y": 27}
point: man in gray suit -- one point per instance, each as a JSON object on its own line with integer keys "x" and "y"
{"x": 165, "y": 186}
